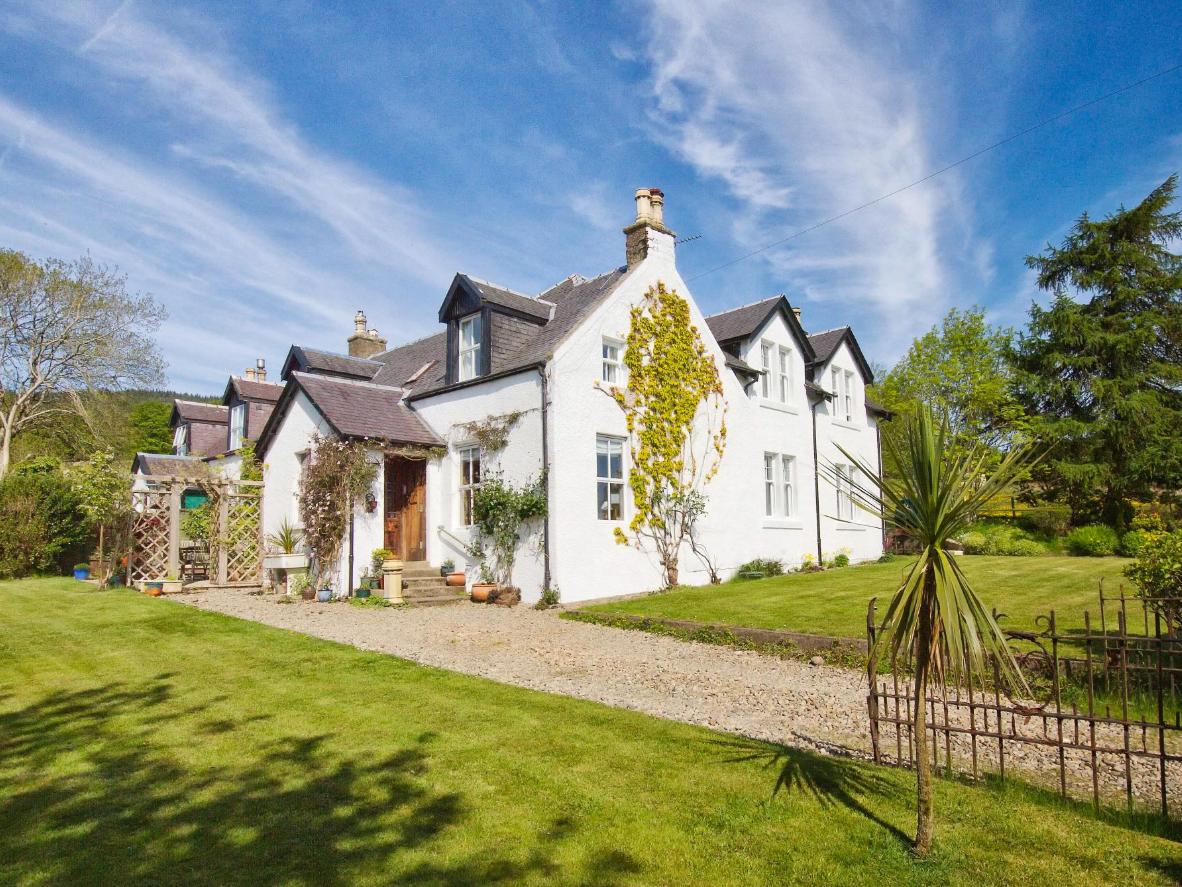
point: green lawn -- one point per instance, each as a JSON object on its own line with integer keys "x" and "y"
{"x": 834, "y": 602}
{"x": 145, "y": 742}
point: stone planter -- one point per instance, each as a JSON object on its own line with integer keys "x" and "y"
{"x": 279, "y": 561}
{"x": 392, "y": 580}
{"x": 172, "y": 586}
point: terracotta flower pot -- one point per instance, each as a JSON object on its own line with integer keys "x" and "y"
{"x": 155, "y": 590}
{"x": 481, "y": 591}
{"x": 456, "y": 579}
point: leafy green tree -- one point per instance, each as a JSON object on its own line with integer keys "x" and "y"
{"x": 935, "y": 623}
{"x": 103, "y": 487}
{"x": 959, "y": 369}
{"x": 42, "y": 526}
{"x": 67, "y": 329}
{"x": 1101, "y": 367}
{"x": 148, "y": 426}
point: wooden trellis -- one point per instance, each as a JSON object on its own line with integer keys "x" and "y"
{"x": 236, "y": 549}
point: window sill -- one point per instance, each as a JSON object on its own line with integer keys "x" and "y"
{"x": 782, "y": 524}
{"x": 854, "y": 529}
{"x": 840, "y": 423}
{"x": 778, "y": 406}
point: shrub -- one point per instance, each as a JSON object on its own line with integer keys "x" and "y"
{"x": 42, "y": 526}
{"x": 1133, "y": 541}
{"x": 195, "y": 522}
{"x": 1150, "y": 521}
{"x": 886, "y": 558}
{"x": 765, "y": 566}
{"x": 842, "y": 560}
{"x": 1025, "y": 548}
{"x": 550, "y": 597}
{"x": 1051, "y": 520}
{"x": 1157, "y": 573}
{"x": 1094, "y": 540}
{"x": 975, "y": 543}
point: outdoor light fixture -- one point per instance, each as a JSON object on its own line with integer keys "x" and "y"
{"x": 371, "y": 502}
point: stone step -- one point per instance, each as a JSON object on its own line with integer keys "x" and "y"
{"x": 424, "y": 583}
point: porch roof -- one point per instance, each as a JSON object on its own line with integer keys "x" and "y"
{"x": 363, "y": 409}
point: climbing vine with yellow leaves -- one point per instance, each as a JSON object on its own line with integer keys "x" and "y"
{"x": 675, "y": 411}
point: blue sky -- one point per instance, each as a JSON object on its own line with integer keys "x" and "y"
{"x": 265, "y": 169}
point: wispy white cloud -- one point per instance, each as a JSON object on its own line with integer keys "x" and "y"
{"x": 802, "y": 111}
{"x": 241, "y": 224}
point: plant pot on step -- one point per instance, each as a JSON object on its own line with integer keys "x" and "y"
{"x": 456, "y": 579}
{"x": 481, "y": 591}
{"x": 308, "y": 594}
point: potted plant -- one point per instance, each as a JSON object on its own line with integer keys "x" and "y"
{"x": 82, "y": 571}
{"x": 486, "y": 586}
{"x": 154, "y": 587}
{"x": 456, "y": 579}
{"x": 284, "y": 542}
{"x": 447, "y": 567}
{"x": 299, "y": 585}
{"x": 171, "y": 585}
{"x": 324, "y": 595}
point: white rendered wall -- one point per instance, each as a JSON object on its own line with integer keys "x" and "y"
{"x": 587, "y": 562}
{"x": 860, "y": 537}
{"x": 518, "y": 463}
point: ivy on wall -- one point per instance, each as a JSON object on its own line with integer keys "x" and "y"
{"x": 336, "y": 474}
{"x": 492, "y": 432}
{"x": 676, "y": 418}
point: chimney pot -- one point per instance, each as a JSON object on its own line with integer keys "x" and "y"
{"x": 260, "y": 372}
{"x": 643, "y": 204}
{"x": 796, "y": 311}
{"x": 248, "y": 374}
{"x": 648, "y": 232}
{"x": 359, "y": 323}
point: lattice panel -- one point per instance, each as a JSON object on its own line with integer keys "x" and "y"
{"x": 149, "y": 533}
{"x": 243, "y": 525}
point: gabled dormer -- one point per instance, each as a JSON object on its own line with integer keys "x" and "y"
{"x": 486, "y": 326}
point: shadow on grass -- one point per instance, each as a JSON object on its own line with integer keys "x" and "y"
{"x": 827, "y": 780}
{"x": 91, "y": 794}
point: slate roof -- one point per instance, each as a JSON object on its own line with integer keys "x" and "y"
{"x": 164, "y": 464}
{"x": 573, "y": 299}
{"x": 301, "y": 358}
{"x": 251, "y": 390}
{"x": 193, "y": 411}
{"x": 497, "y": 295}
{"x": 363, "y": 409}
{"x": 741, "y": 322}
{"x": 737, "y": 363}
{"x": 825, "y": 343}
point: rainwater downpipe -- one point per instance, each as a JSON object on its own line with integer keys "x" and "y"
{"x": 541, "y": 368}
{"x": 817, "y": 483}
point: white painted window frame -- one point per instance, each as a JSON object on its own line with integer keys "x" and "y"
{"x": 607, "y": 482}
{"x": 612, "y": 370}
{"x": 469, "y": 481}
{"x": 470, "y": 349}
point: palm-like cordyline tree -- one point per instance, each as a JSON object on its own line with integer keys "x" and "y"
{"x": 936, "y": 623}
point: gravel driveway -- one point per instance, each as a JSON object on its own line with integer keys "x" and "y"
{"x": 760, "y": 696}
{"x": 738, "y": 691}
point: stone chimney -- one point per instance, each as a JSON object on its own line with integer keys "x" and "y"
{"x": 648, "y": 235}
{"x": 363, "y": 342}
{"x": 248, "y": 374}
{"x": 796, "y": 311}
{"x": 260, "y": 372}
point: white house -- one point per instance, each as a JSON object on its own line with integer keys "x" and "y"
{"x": 534, "y": 363}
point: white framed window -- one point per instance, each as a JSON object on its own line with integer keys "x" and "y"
{"x": 180, "y": 440}
{"x": 848, "y": 397}
{"x": 765, "y": 353}
{"x": 613, "y": 361}
{"x": 785, "y": 375}
{"x": 237, "y": 425}
{"x": 769, "y": 484}
{"x": 845, "y": 492}
{"x": 469, "y": 348}
{"x": 779, "y": 485}
{"x": 788, "y": 486}
{"x": 469, "y": 460}
{"x": 609, "y": 477}
{"x": 835, "y": 387}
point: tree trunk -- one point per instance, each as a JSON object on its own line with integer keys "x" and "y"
{"x": 923, "y": 764}
{"x": 5, "y": 452}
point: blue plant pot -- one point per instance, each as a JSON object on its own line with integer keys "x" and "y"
{"x": 324, "y": 595}
{"x": 362, "y": 593}
{"x": 82, "y": 574}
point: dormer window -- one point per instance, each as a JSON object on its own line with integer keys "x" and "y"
{"x": 237, "y": 425}
{"x": 469, "y": 347}
{"x": 180, "y": 440}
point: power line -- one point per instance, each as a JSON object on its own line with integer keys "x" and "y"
{"x": 943, "y": 169}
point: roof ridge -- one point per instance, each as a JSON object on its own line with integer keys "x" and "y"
{"x": 408, "y": 344}
{"x": 342, "y": 380}
{"x": 306, "y": 349}
{"x": 774, "y": 298}
{"x": 580, "y": 283}
{"x": 499, "y": 286}
{"x": 833, "y": 330}
{"x": 197, "y": 403}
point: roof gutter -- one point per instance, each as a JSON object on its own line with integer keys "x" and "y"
{"x": 539, "y": 365}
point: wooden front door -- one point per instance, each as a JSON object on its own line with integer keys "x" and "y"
{"x": 406, "y": 517}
